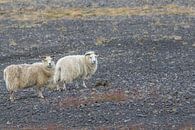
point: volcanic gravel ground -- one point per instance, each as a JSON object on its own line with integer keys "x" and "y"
{"x": 154, "y": 65}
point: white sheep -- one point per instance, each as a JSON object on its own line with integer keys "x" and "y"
{"x": 74, "y": 67}
{"x": 23, "y": 76}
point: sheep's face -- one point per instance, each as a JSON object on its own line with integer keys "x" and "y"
{"x": 91, "y": 58}
{"x": 48, "y": 61}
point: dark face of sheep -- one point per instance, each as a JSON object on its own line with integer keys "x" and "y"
{"x": 91, "y": 58}
{"x": 48, "y": 61}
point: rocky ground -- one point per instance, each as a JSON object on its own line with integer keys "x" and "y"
{"x": 146, "y": 73}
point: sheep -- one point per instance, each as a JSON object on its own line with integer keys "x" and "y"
{"x": 74, "y": 67}
{"x": 22, "y": 76}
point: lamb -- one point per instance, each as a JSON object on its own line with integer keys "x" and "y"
{"x": 74, "y": 67}
{"x": 24, "y": 76}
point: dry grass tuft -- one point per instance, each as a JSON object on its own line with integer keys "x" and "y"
{"x": 12, "y": 42}
{"x": 101, "y": 41}
{"x": 114, "y": 96}
{"x": 137, "y": 94}
{"x": 102, "y": 83}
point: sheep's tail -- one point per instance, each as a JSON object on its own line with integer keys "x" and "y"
{"x": 57, "y": 75}
{"x": 6, "y": 79}
{"x": 4, "y": 75}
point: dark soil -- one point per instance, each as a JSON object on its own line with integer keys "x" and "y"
{"x": 149, "y": 58}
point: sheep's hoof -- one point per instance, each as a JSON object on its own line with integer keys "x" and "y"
{"x": 42, "y": 97}
{"x": 12, "y": 100}
{"x": 59, "y": 89}
{"x": 84, "y": 86}
{"x": 64, "y": 89}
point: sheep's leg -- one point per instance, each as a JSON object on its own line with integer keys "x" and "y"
{"x": 84, "y": 85}
{"x": 11, "y": 96}
{"x": 64, "y": 87}
{"x": 76, "y": 84}
{"x": 40, "y": 92}
{"x": 58, "y": 87}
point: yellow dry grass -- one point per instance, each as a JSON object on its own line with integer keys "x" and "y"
{"x": 8, "y": 1}
{"x": 122, "y": 11}
{"x": 101, "y": 40}
{"x": 85, "y": 13}
{"x": 3, "y": 1}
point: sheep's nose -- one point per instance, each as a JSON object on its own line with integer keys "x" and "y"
{"x": 93, "y": 62}
{"x": 49, "y": 64}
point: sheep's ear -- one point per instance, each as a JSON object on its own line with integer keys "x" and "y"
{"x": 52, "y": 56}
{"x": 42, "y": 57}
{"x": 96, "y": 54}
{"x": 89, "y": 53}
{"x": 86, "y": 54}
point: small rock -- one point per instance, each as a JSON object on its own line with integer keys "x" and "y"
{"x": 174, "y": 110}
{"x": 155, "y": 112}
{"x": 8, "y": 122}
{"x": 102, "y": 83}
{"x": 173, "y": 126}
{"x": 82, "y": 105}
{"x": 93, "y": 89}
{"x": 152, "y": 104}
{"x": 184, "y": 43}
{"x": 186, "y": 26}
{"x": 117, "y": 113}
{"x": 127, "y": 120}
{"x": 169, "y": 97}
{"x": 97, "y": 104}
{"x": 85, "y": 98}
{"x": 177, "y": 38}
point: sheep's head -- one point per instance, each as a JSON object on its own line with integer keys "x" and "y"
{"x": 91, "y": 57}
{"x": 48, "y": 61}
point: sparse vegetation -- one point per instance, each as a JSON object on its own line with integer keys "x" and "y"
{"x": 85, "y": 13}
{"x": 9, "y": 1}
{"x": 113, "y": 96}
{"x": 12, "y": 43}
{"x": 101, "y": 41}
